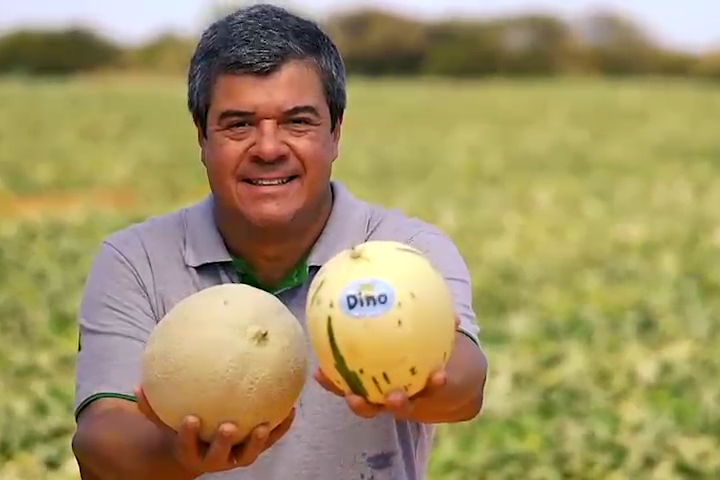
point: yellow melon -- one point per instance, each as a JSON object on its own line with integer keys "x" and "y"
{"x": 380, "y": 318}
{"x": 228, "y": 353}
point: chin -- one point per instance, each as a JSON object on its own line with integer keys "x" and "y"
{"x": 271, "y": 218}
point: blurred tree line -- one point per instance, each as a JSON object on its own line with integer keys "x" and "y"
{"x": 376, "y": 43}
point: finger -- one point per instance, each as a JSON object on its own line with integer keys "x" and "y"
{"x": 438, "y": 379}
{"x": 398, "y": 404}
{"x": 219, "y": 453}
{"x": 326, "y": 383}
{"x": 280, "y": 430}
{"x": 253, "y": 447}
{"x": 362, "y": 407}
{"x": 189, "y": 445}
{"x": 457, "y": 322}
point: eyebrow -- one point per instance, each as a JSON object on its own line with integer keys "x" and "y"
{"x": 297, "y": 110}
{"x": 309, "y": 109}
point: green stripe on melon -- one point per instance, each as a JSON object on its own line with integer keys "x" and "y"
{"x": 352, "y": 379}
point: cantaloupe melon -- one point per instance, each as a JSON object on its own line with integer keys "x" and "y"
{"x": 228, "y": 353}
{"x": 380, "y": 318}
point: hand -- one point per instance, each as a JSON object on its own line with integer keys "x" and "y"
{"x": 227, "y": 451}
{"x": 397, "y": 403}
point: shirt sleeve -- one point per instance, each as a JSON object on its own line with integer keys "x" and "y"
{"x": 115, "y": 319}
{"x": 445, "y": 256}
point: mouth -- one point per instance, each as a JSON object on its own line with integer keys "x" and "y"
{"x": 270, "y": 182}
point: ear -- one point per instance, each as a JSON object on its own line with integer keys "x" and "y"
{"x": 200, "y": 135}
{"x": 201, "y": 139}
{"x": 336, "y": 133}
{"x": 338, "y": 129}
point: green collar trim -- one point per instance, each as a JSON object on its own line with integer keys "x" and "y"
{"x": 295, "y": 278}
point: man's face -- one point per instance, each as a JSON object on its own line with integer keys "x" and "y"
{"x": 269, "y": 148}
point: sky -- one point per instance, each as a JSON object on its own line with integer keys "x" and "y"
{"x": 687, "y": 24}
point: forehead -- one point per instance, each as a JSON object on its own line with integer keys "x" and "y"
{"x": 295, "y": 83}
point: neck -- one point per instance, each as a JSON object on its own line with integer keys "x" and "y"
{"x": 273, "y": 253}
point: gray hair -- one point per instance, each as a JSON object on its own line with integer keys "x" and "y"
{"x": 258, "y": 40}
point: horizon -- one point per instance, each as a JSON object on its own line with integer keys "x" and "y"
{"x": 687, "y": 26}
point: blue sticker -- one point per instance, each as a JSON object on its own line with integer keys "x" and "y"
{"x": 367, "y": 298}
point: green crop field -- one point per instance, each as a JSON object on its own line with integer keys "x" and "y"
{"x": 588, "y": 211}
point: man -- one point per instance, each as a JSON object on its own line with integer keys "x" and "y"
{"x": 267, "y": 95}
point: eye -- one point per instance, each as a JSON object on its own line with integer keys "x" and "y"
{"x": 300, "y": 121}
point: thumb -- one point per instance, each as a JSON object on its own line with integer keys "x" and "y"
{"x": 326, "y": 383}
{"x": 145, "y": 408}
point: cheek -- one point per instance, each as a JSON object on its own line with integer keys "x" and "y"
{"x": 221, "y": 159}
{"x": 318, "y": 157}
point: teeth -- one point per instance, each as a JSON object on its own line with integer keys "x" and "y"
{"x": 277, "y": 181}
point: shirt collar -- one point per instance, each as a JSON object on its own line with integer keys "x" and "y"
{"x": 346, "y": 226}
{"x": 203, "y": 242}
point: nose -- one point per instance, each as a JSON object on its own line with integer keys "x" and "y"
{"x": 269, "y": 145}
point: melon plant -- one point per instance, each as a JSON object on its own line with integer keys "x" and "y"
{"x": 380, "y": 318}
{"x": 228, "y": 353}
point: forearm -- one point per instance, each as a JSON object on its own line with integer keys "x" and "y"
{"x": 119, "y": 444}
{"x": 461, "y": 398}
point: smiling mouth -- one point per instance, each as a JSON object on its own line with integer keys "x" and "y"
{"x": 269, "y": 182}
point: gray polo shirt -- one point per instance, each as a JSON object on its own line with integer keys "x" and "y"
{"x": 142, "y": 271}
